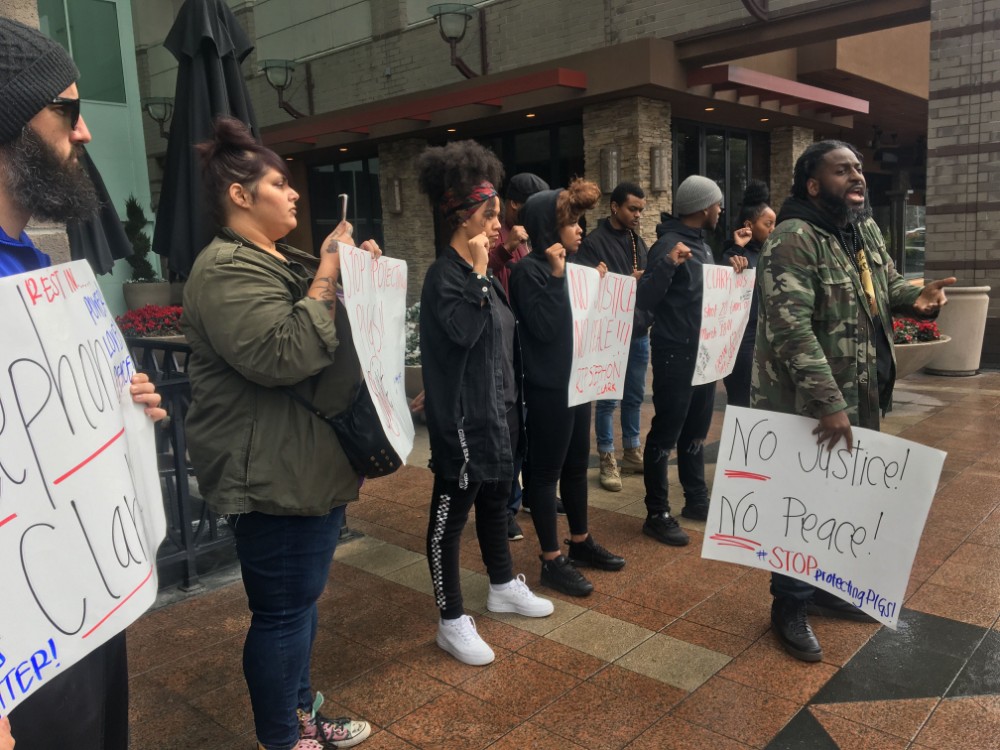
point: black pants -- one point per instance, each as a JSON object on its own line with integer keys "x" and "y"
{"x": 84, "y": 708}
{"x": 738, "y": 381}
{"x": 683, "y": 414}
{"x": 450, "y": 507}
{"x": 558, "y": 453}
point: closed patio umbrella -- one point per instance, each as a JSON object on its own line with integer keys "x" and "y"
{"x": 209, "y": 45}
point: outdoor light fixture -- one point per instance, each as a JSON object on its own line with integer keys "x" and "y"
{"x": 161, "y": 109}
{"x": 395, "y": 203}
{"x": 658, "y": 168}
{"x": 279, "y": 77}
{"x": 611, "y": 166}
{"x": 453, "y": 19}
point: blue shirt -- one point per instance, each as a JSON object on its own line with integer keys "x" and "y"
{"x": 20, "y": 255}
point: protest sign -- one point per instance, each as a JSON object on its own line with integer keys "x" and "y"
{"x": 603, "y": 309}
{"x": 81, "y": 514}
{"x": 847, "y": 522}
{"x": 725, "y": 312}
{"x": 375, "y": 298}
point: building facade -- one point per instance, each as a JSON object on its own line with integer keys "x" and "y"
{"x": 648, "y": 91}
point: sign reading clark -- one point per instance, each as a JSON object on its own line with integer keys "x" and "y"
{"x": 848, "y": 522}
{"x": 81, "y": 514}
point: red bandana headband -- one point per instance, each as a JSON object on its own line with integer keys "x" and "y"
{"x": 451, "y": 203}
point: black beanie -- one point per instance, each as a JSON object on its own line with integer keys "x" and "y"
{"x": 34, "y": 70}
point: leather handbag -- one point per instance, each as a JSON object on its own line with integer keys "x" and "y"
{"x": 360, "y": 434}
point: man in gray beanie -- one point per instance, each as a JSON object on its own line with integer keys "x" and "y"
{"x": 41, "y": 140}
{"x": 671, "y": 288}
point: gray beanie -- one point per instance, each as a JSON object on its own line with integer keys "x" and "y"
{"x": 694, "y": 194}
{"x": 523, "y": 185}
{"x": 34, "y": 70}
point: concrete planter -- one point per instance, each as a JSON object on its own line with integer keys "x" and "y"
{"x": 911, "y": 358}
{"x": 141, "y": 293}
{"x": 413, "y": 380}
{"x": 964, "y": 319}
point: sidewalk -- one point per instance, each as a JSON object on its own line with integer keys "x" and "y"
{"x": 674, "y": 652}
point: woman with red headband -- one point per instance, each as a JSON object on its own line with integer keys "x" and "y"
{"x": 472, "y": 382}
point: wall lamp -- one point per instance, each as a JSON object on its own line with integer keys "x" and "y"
{"x": 611, "y": 168}
{"x": 658, "y": 168}
{"x": 279, "y": 77}
{"x": 453, "y": 19}
{"x": 160, "y": 109}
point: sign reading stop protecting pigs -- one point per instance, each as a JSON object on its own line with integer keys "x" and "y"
{"x": 603, "y": 309}
{"x": 848, "y": 522}
{"x": 81, "y": 514}
{"x": 375, "y": 297}
{"x": 725, "y": 312}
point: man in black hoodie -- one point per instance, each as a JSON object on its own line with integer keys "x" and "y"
{"x": 616, "y": 243}
{"x": 671, "y": 288}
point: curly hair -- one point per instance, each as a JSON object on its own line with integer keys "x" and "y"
{"x": 457, "y": 167}
{"x": 807, "y": 164}
{"x": 755, "y": 202}
{"x": 581, "y": 195}
{"x": 233, "y": 155}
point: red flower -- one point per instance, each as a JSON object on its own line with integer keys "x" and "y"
{"x": 151, "y": 320}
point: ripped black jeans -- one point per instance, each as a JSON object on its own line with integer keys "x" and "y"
{"x": 683, "y": 414}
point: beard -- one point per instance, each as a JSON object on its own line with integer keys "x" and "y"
{"x": 39, "y": 183}
{"x": 843, "y": 213}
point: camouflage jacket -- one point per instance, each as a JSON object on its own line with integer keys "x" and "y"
{"x": 815, "y": 349}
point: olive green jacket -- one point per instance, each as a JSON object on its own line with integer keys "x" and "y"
{"x": 252, "y": 330}
{"x": 815, "y": 348}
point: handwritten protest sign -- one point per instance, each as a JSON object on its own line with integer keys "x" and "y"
{"x": 603, "y": 309}
{"x": 848, "y": 522}
{"x": 725, "y": 312}
{"x": 375, "y": 297}
{"x": 81, "y": 514}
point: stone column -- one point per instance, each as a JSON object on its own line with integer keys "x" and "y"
{"x": 50, "y": 238}
{"x": 787, "y": 145}
{"x": 963, "y": 184}
{"x": 635, "y": 125}
{"x": 409, "y": 233}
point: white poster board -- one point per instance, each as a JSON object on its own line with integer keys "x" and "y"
{"x": 81, "y": 514}
{"x": 725, "y": 312}
{"x": 375, "y": 298}
{"x": 603, "y": 309}
{"x": 848, "y": 522}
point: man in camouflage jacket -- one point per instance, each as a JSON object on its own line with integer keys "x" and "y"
{"x": 824, "y": 338}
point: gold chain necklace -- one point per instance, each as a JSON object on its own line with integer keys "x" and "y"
{"x": 635, "y": 252}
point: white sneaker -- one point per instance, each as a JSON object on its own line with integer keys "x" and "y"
{"x": 460, "y": 639}
{"x": 517, "y": 597}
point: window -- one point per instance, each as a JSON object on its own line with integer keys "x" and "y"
{"x": 359, "y": 179}
{"x": 553, "y": 153}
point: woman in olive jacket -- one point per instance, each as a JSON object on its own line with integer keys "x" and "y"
{"x": 260, "y": 316}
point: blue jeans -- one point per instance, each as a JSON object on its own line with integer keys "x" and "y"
{"x": 632, "y": 396}
{"x": 285, "y": 561}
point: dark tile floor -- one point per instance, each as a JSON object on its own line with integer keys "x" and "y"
{"x": 674, "y": 652}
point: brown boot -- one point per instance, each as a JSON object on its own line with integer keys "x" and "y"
{"x": 611, "y": 479}
{"x": 632, "y": 461}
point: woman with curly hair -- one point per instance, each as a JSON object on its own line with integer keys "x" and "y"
{"x": 468, "y": 344}
{"x": 558, "y": 434}
{"x": 262, "y": 318}
{"x": 755, "y": 224}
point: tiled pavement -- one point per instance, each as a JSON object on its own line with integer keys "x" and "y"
{"x": 674, "y": 652}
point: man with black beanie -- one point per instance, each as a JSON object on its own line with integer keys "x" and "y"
{"x": 41, "y": 174}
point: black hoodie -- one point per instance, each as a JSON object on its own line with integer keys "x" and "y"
{"x": 674, "y": 292}
{"x": 541, "y": 300}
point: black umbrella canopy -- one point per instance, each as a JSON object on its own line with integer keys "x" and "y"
{"x": 209, "y": 45}
{"x": 100, "y": 240}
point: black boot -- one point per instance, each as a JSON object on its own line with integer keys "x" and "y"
{"x": 590, "y": 553}
{"x": 559, "y": 574}
{"x": 828, "y": 605}
{"x": 790, "y": 622}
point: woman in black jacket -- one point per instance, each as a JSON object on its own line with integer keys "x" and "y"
{"x": 558, "y": 434}
{"x": 472, "y": 388}
{"x": 755, "y": 224}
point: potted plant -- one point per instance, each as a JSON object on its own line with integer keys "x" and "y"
{"x": 145, "y": 287}
{"x": 916, "y": 342}
{"x": 151, "y": 321}
{"x": 413, "y": 379}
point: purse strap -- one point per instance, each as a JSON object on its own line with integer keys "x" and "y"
{"x": 307, "y": 404}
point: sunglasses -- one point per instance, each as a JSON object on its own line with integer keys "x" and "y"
{"x": 69, "y": 107}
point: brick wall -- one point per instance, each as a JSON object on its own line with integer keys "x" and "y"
{"x": 634, "y": 125}
{"x": 787, "y": 144}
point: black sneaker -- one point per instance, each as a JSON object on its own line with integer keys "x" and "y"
{"x": 695, "y": 511}
{"x": 514, "y": 532}
{"x": 828, "y": 605}
{"x": 664, "y": 529}
{"x": 559, "y": 574}
{"x": 590, "y": 553}
{"x": 790, "y": 622}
